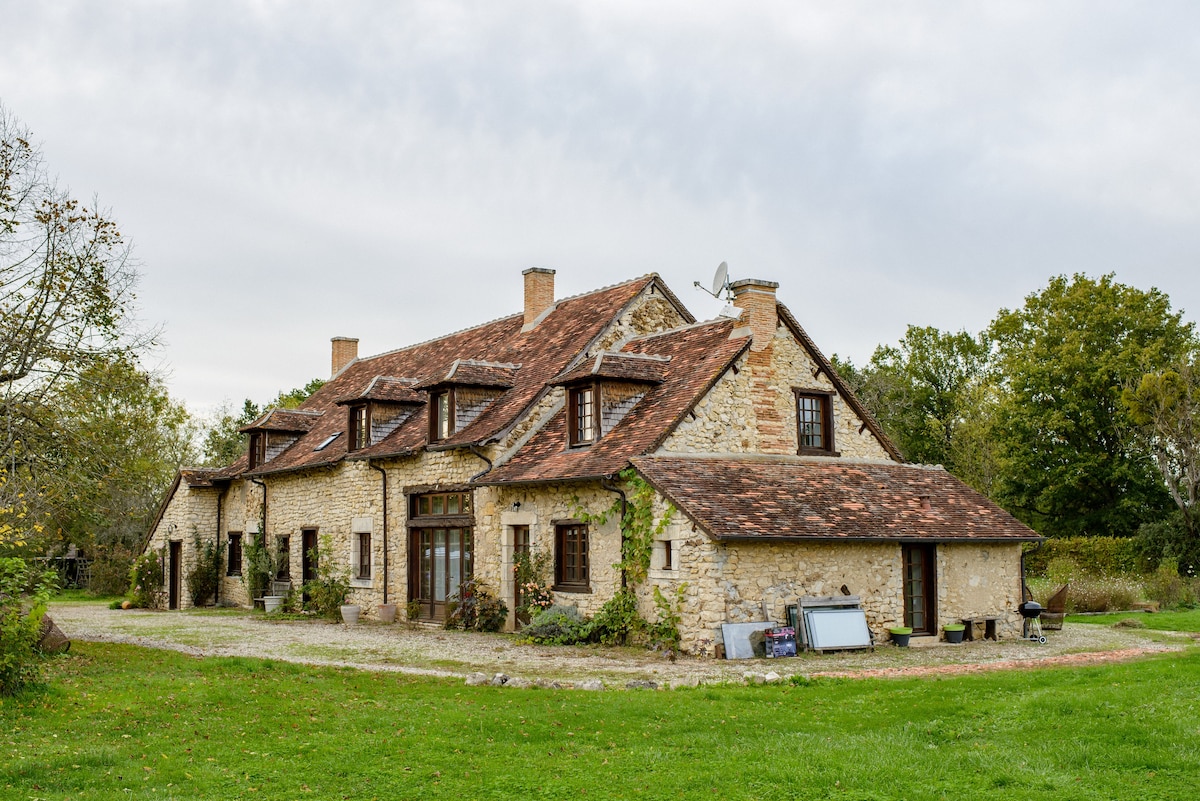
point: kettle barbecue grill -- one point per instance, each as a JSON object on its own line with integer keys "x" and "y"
{"x": 1031, "y": 613}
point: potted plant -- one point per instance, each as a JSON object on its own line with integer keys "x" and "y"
{"x": 900, "y": 635}
{"x": 954, "y": 632}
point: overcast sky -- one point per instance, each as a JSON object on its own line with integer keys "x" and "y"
{"x": 289, "y": 172}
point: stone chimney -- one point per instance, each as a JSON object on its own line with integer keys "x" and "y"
{"x": 345, "y": 350}
{"x": 539, "y": 293}
{"x": 756, "y": 299}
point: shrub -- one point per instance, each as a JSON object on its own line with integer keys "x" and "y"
{"x": 1168, "y": 540}
{"x": 145, "y": 580}
{"x": 1166, "y": 586}
{"x": 23, "y": 594}
{"x": 475, "y": 608}
{"x": 1095, "y": 555}
{"x": 618, "y": 621}
{"x": 327, "y": 592}
{"x": 558, "y": 625}
{"x": 665, "y": 633}
{"x": 203, "y": 578}
{"x": 110, "y": 570}
{"x": 1103, "y": 594}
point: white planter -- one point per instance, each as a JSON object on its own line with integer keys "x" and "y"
{"x": 350, "y": 614}
{"x": 272, "y": 603}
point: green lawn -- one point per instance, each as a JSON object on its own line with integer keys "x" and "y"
{"x": 1188, "y": 620}
{"x": 121, "y": 722}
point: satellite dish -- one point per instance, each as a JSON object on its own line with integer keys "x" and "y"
{"x": 721, "y": 279}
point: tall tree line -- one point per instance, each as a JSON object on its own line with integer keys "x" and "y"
{"x": 1074, "y": 411}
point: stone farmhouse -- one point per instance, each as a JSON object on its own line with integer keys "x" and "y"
{"x": 437, "y": 461}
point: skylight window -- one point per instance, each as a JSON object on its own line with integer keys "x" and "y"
{"x": 328, "y": 440}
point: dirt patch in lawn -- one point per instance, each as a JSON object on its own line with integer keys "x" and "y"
{"x": 433, "y": 652}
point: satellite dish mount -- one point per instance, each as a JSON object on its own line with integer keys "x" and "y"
{"x": 720, "y": 284}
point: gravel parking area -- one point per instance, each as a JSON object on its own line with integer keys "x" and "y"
{"x": 427, "y": 651}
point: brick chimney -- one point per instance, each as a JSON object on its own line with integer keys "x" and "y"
{"x": 345, "y": 350}
{"x": 756, "y": 299}
{"x": 539, "y": 293}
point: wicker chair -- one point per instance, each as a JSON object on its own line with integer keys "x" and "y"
{"x": 1056, "y": 610}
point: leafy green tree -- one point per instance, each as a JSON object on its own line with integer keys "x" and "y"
{"x": 116, "y": 441}
{"x": 1068, "y": 461}
{"x": 1165, "y": 405}
{"x": 917, "y": 390}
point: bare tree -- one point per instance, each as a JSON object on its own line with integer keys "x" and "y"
{"x": 66, "y": 290}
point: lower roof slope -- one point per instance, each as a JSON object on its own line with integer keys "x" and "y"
{"x": 793, "y": 498}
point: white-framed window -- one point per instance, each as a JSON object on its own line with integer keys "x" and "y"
{"x": 664, "y": 558}
{"x": 362, "y": 561}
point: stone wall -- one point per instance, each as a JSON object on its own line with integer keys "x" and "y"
{"x": 752, "y": 409}
{"x": 190, "y": 514}
{"x": 649, "y": 313}
{"x": 735, "y": 581}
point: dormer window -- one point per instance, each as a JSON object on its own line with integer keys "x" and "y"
{"x": 360, "y": 427}
{"x": 441, "y": 415}
{"x": 584, "y": 421}
{"x": 258, "y": 448}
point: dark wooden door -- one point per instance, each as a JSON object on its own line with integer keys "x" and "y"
{"x": 439, "y": 561}
{"x": 920, "y": 588}
{"x": 173, "y": 570}
{"x": 308, "y": 558}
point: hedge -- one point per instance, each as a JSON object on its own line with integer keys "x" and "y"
{"x": 1098, "y": 556}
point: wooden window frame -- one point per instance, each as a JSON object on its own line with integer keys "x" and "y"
{"x": 567, "y": 577}
{"x": 668, "y": 560}
{"x": 826, "y": 399}
{"x": 359, "y": 427}
{"x": 435, "y": 430}
{"x": 417, "y": 501}
{"x": 363, "y": 545}
{"x": 234, "y": 549}
{"x": 283, "y": 545}
{"x": 577, "y": 435}
{"x": 258, "y": 448}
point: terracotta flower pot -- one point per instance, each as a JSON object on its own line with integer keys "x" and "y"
{"x": 387, "y": 613}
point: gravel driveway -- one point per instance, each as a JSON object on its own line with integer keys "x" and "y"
{"x": 410, "y": 649}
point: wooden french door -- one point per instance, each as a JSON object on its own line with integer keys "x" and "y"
{"x": 440, "y": 560}
{"x": 920, "y": 588}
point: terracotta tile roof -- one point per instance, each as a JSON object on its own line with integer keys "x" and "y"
{"x": 288, "y": 420}
{"x": 384, "y": 389}
{"x": 197, "y": 477}
{"x": 843, "y": 388}
{"x": 617, "y": 366}
{"x": 793, "y": 498}
{"x": 543, "y": 352}
{"x": 472, "y": 373}
{"x": 699, "y": 355}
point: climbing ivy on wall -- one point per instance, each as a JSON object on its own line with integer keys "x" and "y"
{"x": 639, "y": 527}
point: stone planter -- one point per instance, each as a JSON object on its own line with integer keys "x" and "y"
{"x": 272, "y": 603}
{"x": 387, "y": 613}
{"x": 350, "y": 614}
{"x": 900, "y": 635}
{"x": 954, "y": 633}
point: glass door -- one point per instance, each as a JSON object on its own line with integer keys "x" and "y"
{"x": 919, "y": 590}
{"x": 442, "y": 560}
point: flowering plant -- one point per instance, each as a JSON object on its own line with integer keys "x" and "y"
{"x": 531, "y": 573}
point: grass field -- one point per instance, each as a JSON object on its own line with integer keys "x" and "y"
{"x": 122, "y": 722}
{"x": 1187, "y": 620}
